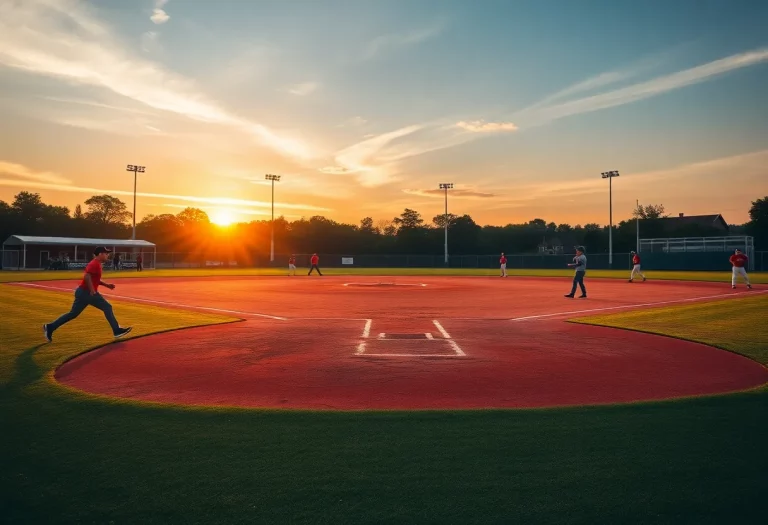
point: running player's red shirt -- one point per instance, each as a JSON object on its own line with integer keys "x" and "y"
{"x": 503, "y": 260}
{"x": 738, "y": 260}
{"x": 315, "y": 259}
{"x": 94, "y": 269}
{"x": 635, "y": 259}
{"x": 292, "y": 260}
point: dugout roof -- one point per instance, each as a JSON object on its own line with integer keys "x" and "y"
{"x": 19, "y": 240}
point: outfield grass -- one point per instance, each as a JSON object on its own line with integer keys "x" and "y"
{"x": 739, "y": 326}
{"x": 14, "y": 276}
{"x": 69, "y": 457}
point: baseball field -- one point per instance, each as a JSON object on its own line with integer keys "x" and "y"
{"x": 385, "y": 396}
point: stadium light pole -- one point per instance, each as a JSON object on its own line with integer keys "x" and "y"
{"x": 610, "y": 175}
{"x": 637, "y": 227}
{"x": 272, "y": 178}
{"x": 446, "y": 186}
{"x": 136, "y": 170}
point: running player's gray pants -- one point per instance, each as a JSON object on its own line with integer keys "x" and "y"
{"x": 83, "y": 299}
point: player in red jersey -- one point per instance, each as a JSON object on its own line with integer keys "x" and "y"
{"x": 292, "y": 265}
{"x": 503, "y": 265}
{"x": 314, "y": 261}
{"x": 739, "y": 261}
{"x": 636, "y": 267}
{"x": 87, "y": 294}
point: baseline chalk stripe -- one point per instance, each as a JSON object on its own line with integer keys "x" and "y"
{"x": 638, "y": 305}
{"x": 367, "y": 328}
{"x": 451, "y": 341}
{"x": 167, "y": 303}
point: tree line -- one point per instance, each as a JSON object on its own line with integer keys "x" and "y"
{"x": 191, "y": 231}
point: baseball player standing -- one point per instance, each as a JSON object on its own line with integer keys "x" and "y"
{"x": 580, "y": 264}
{"x": 292, "y": 265}
{"x": 503, "y": 265}
{"x": 314, "y": 261}
{"x": 636, "y": 267}
{"x": 739, "y": 261}
{"x": 87, "y": 294}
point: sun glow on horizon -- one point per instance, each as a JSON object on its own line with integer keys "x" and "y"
{"x": 222, "y": 218}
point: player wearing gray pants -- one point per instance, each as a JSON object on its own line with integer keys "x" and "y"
{"x": 580, "y": 265}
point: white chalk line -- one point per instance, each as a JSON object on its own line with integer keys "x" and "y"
{"x": 450, "y": 356}
{"x": 167, "y": 303}
{"x": 367, "y": 328}
{"x": 456, "y": 348}
{"x": 625, "y": 306}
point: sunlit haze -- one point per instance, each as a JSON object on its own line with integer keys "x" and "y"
{"x": 363, "y": 108}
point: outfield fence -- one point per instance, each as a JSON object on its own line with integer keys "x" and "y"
{"x": 652, "y": 260}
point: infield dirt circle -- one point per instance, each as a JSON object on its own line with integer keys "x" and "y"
{"x": 345, "y": 343}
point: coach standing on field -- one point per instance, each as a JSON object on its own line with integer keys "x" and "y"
{"x": 580, "y": 264}
{"x": 314, "y": 261}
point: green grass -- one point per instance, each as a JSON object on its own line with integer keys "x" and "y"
{"x": 13, "y": 276}
{"x": 739, "y": 326}
{"x": 74, "y": 458}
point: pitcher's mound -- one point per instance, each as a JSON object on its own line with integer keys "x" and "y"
{"x": 383, "y": 284}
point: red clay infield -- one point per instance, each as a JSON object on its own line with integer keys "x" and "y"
{"x": 455, "y": 343}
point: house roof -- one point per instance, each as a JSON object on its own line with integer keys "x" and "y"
{"x": 700, "y": 220}
{"x": 18, "y": 240}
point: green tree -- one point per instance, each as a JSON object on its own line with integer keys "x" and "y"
{"x": 650, "y": 211}
{"x": 439, "y": 220}
{"x": 78, "y": 212}
{"x": 408, "y": 219}
{"x": 107, "y": 210}
{"x": 193, "y": 216}
{"x": 757, "y": 226}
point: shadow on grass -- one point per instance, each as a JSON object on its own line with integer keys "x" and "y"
{"x": 27, "y": 371}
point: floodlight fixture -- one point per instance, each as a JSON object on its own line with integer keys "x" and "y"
{"x": 610, "y": 175}
{"x": 446, "y": 186}
{"x": 135, "y": 169}
{"x": 273, "y": 179}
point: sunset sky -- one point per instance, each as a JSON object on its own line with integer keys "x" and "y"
{"x": 364, "y": 107}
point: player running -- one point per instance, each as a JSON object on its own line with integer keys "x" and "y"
{"x": 636, "y": 267}
{"x": 87, "y": 294}
{"x": 292, "y": 265}
{"x": 739, "y": 260}
{"x": 503, "y": 265}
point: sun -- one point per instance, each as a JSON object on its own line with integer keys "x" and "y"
{"x": 222, "y": 218}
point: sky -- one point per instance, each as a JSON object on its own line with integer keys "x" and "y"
{"x": 364, "y": 107}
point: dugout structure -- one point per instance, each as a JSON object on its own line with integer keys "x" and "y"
{"x": 695, "y": 253}
{"x": 24, "y": 252}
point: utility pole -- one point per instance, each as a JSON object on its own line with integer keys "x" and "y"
{"x": 272, "y": 178}
{"x": 136, "y": 170}
{"x": 610, "y": 175}
{"x": 446, "y": 186}
{"x": 637, "y": 227}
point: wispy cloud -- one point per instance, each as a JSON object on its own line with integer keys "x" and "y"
{"x": 353, "y": 122}
{"x": 480, "y": 126}
{"x": 159, "y": 16}
{"x": 61, "y": 39}
{"x": 222, "y": 201}
{"x": 461, "y": 193}
{"x": 303, "y": 89}
{"x": 537, "y": 114}
{"x": 23, "y": 172}
{"x": 334, "y": 170}
{"x": 394, "y": 41}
